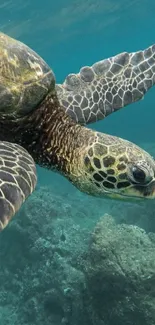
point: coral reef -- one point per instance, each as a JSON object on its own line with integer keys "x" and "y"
{"x": 39, "y": 250}
{"x": 60, "y": 265}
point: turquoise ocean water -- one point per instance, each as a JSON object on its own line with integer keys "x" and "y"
{"x": 39, "y": 284}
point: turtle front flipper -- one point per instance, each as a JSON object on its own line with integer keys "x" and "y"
{"x": 108, "y": 85}
{"x": 17, "y": 179}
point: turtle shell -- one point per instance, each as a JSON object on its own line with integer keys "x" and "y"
{"x": 25, "y": 78}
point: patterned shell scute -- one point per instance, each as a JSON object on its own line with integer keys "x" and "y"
{"x": 25, "y": 78}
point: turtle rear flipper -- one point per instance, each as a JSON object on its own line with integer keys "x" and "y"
{"x": 17, "y": 179}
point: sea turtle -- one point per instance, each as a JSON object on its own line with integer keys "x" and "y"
{"x": 42, "y": 122}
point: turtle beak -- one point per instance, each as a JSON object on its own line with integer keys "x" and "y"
{"x": 138, "y": 192}
{"x": 148, "y": 191}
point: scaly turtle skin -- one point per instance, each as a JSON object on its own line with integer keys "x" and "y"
{"x": 46, "y": 119}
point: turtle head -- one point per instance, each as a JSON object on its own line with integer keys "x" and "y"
{"x": 117, "y": 168}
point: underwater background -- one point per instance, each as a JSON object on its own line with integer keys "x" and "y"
{"x": 68, "y": 258}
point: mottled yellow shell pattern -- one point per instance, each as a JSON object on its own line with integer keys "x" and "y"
{"x": 25, "y": 78}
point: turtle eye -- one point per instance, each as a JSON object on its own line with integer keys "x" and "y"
{"x": 138, "y": 175}
{"x": 141, "y": 173}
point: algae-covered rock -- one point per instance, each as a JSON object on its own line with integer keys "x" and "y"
{"x": 120, "y": 274}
